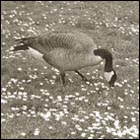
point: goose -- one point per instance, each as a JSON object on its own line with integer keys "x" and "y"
{"x": 69, "y": 51}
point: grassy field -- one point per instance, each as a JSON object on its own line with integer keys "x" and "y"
{"x": 34, "y": 104}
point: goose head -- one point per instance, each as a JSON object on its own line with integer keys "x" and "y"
{"x": 109, "y": 73}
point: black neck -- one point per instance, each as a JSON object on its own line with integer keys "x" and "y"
{"x": 108, "y": 65}
{"x": 105, "y": 54}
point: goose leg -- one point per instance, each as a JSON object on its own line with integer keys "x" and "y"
{"x": 63, "y": 78}
{"x": 81, "y": 75}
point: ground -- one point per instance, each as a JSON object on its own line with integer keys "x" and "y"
{"x": 34, "y": 104}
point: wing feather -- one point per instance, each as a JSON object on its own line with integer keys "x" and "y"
{"x": 44, "y": 43}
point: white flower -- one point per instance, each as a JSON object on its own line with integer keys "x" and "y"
{"x": 73, "y": 133}
{"x": 59, "y": 98}
{"x": 19, "y": 69}
{"x": 83, "y": 134}
{"x": 36, "y": 132}
{"x": 3, "y": 101}
{"x": 120, "y": 99}
{"x": 77, "y": 93}
{"x": 116, "y": 124}
{"x": 21, "y": 88}
{"x": 3, "y": 89}
{"x": 41, "y": 84}
{"x": 24, "y": 107}
{"x": 23, "y": 134}
{"x": 46, "y": 116}
{"x": 133, "y": 119}
{"x": 64, "y": 123}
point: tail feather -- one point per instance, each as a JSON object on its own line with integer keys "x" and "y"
{"x": 20, "y": 47}
{"x": 23, "y": 43}
{"x": 25, "y": 40}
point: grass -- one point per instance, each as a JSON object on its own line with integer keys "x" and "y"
{"x": 34, "y": 104}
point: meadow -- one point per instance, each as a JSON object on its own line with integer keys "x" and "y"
{"x": 35, "y": 104}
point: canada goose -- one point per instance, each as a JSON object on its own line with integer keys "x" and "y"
{"x": 69, "y": 52}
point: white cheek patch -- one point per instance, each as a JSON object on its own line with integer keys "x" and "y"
{"x": 108, "y": 75}
{"x": 36, "y": 54}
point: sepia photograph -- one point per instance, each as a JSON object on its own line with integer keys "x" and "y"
{"x": 69, "y": 69}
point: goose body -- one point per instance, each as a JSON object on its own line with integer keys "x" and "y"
{"x": 66, "y": 51}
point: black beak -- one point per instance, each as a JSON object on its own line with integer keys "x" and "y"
{"x": 112, "y": 81}
{"x": 111, "y": 84}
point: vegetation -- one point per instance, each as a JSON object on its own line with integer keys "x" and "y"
{"x": 34, "y": 104}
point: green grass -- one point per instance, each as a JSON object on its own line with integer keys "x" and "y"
{"x": 78, "y": 110}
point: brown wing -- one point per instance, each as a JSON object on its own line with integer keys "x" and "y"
{"x": 75, "y": 41}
